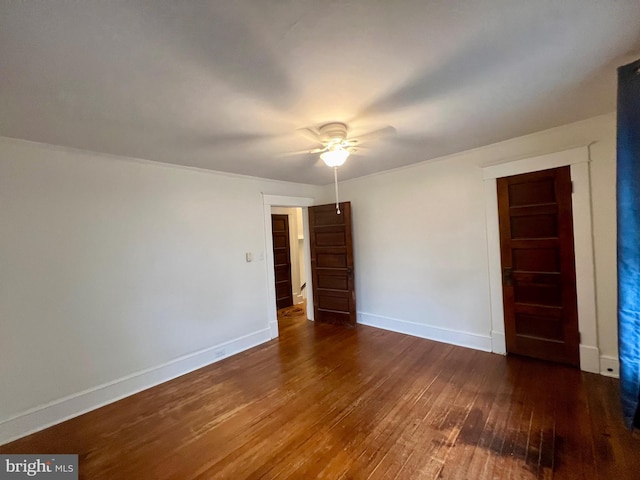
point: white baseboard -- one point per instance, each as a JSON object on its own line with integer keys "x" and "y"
{"x": 589, "y": 359}
{"x": 273, "y": 329}
{"x": 498, "y": 343}
{"x": 454, "y": 337}
{"x": 609, "y": 366}
{"x": 44, "y": 416}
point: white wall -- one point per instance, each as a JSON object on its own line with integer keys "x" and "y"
{"x": 116, "y": 274}
{"x": 421, "y": 261}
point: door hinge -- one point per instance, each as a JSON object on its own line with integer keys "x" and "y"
{"x": 580, "y": 338}
{"x": 572, "y": 189}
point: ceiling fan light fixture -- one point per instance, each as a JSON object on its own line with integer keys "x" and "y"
{"x": 335, "y": 157}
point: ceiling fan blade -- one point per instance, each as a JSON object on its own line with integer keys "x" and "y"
{"x": 310, "y": 135}
{"x": 303, "y": 152}
{"x": 318, "y": 150}
{"x": 387, "y": 131}
{"x": 359, "y": 150}
{"x": 293, "y": 154}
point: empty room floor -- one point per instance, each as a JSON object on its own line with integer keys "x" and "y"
{"x": 323, "y": 401}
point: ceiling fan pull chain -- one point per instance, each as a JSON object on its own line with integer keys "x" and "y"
{"x": 335, "y": 177}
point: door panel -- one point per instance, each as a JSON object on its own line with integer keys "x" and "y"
{"x": 280, "y": 257}
{"x": 334, "y": 298}
{"x": 533, "y": 226}
{"x": 333, "y": 281}
{"x": 534, "y": 259}
{"x": 536, "y": 243}
{"x": 331, "y": 237}
{"x": 331, "y": 258}
{"x": 282, "y": 260}
{"x": 532, "y": 325}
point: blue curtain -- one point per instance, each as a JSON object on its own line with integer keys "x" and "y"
{"x": 628, "y": 203}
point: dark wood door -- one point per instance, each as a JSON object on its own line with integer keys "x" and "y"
{"x": 282, "y": 260}
{"x": 538, "y": 265}
{"x": 334, "y": 298}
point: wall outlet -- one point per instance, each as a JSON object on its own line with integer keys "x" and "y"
{"x": 609, "y": 366}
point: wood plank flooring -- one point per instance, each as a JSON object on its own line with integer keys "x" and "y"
{"x": 327, "y": 402}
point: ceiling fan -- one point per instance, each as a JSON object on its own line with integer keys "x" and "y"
{"x": 336, "y": 146}
{"x": 335, "y": 143}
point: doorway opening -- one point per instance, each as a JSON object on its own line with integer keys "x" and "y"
{"x": 305, "y": 296}
{"x": 288, "y": 239}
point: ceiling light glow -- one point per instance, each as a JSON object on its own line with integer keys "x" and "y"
{"x": 335, "y": 156}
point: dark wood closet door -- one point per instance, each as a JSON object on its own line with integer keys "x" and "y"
{"x": 334, "y": 298}
{"x": 538, "y": 265}
{"x": 282, "y": 260}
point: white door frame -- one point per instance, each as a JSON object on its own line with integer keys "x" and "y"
{"x": 292, "y": 202}
{"x": 578, "y": 160}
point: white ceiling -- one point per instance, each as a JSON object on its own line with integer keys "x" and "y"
{"x": 224, "y": 85}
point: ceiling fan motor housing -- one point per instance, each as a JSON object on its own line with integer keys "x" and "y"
{"x": 333, "y": 132}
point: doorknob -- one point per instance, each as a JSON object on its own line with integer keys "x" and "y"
{"x": 507, "y": 277}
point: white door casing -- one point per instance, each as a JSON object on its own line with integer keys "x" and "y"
{"x": 284, "y": 201}
{"x": 578, "y": 160}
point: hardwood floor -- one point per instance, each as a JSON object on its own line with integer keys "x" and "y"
{"x": 323, "y": 401}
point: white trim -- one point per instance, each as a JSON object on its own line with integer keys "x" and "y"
{"x": 52, "y": 413}
{"x": 306, "y": 246}
{"x": 609, "y": 366}
{"x": 584, "y": 256}
{"x": 571, "y": 156}
{"x": 145, "y": 161}
{"x": 453, "y": 337}
{"x": 273, "y": 329}
{"x": 284, "y": 201}
{"x": 493, "y": 149}
{"x": 589, "y": 359}
{"x": 578, "y": 159}
{"x": 498, "y": 343}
